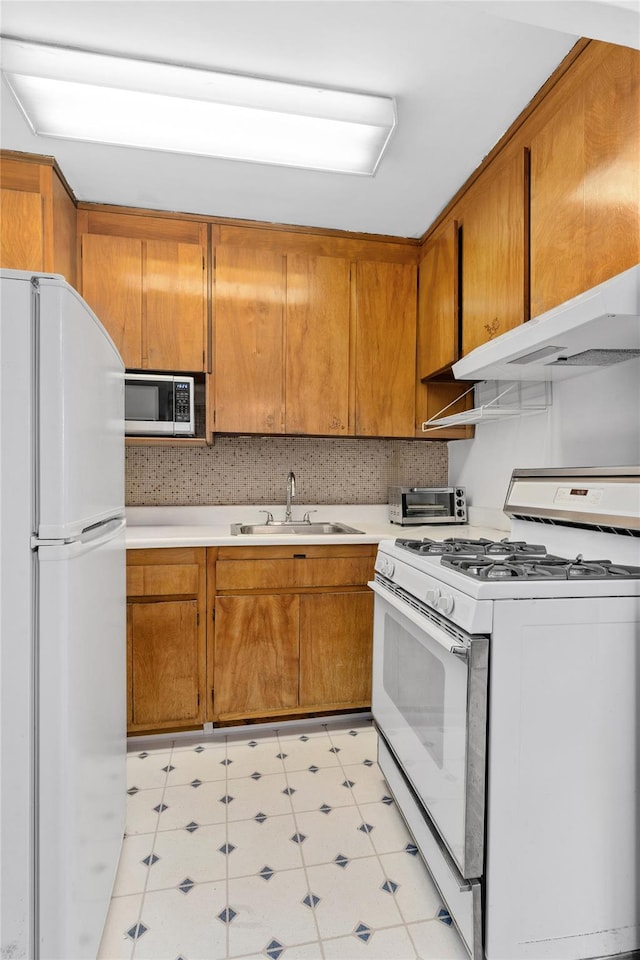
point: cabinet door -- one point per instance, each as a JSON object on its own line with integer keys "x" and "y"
{"x": 256, "y": 654}
{"x": 385, "y": 349}
{"x": 495, "y": 251}
{"x": 585, "y": 189}
{"x": 21, "y": 230}
{"x": 438, "y": 339}
{"x": 175, "y": 306}
{"x": 248, "y": 337}
{"x": 317, "y": 353}
{"x": 336, "y": 631}
{"x": 164, "y": 662}
{"x": 112, "y": 286}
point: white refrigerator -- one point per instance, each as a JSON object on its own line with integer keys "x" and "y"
{"x": 62, "y": 620}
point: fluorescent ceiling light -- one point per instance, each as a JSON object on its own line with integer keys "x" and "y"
{"x": 76, "y": 95}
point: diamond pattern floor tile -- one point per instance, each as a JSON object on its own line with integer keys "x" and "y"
{"x": 274, "y": 844}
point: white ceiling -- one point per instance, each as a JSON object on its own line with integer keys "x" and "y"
{"x": 460, "y": 70}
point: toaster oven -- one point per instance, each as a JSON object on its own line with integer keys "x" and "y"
{"x": 421, "y": 505}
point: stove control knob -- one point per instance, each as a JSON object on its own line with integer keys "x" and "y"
{"x": 387, "y": 567}
{"x": 433, "y": 596}
{"x": 445, "y": 603}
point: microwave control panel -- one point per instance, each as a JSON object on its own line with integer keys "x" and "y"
{"x": 182, "y": 411}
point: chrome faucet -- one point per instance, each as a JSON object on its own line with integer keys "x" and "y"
{"x": 291, "y": 492}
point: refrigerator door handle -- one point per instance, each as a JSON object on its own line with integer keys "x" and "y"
{"x": 90, "y": 539}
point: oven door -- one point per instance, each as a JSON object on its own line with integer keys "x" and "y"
{"x": 429, "y": 701}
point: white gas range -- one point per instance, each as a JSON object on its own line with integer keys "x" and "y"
{"x": 505, "y": 692}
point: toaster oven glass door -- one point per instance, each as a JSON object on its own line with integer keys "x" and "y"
{"x": 428, "y": 503}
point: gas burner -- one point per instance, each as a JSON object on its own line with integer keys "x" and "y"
{"x": 539, "y": 568}
{"x": 460, "y": 546}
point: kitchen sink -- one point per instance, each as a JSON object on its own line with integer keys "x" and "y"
{"x": 300, "y": 528}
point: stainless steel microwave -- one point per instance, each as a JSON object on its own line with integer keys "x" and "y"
{"x": 421, "y": 505}
{"x": 158, "y": 405}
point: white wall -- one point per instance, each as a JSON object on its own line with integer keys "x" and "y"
{"x": 594, "y": 420}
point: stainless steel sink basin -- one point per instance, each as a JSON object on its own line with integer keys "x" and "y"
{"x": 299, "y": 528}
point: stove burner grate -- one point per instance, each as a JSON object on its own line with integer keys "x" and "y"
{"x": 460, "y": 546}
{"x": 540, "y": 568}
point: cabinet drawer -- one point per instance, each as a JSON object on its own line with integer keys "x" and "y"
{"x": 293, "y": 574}
{"x": 334, "y": 572}
{"x": 255, "y": 574}
{"x": 171, "y": 579}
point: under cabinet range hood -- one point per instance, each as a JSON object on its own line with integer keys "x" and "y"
{"x": 596, "y": 329}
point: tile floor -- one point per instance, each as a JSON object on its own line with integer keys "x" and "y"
{"x": 269, "y": 844}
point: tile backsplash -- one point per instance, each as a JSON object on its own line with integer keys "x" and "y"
{"x": 253, "y": 470}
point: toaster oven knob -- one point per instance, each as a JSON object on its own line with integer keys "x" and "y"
{"x": 445, "y": 603}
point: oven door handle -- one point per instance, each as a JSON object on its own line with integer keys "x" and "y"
{"x": 435, "y": 632}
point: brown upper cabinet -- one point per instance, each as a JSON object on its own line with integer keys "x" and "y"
{"x": 385, "y": 361}
{"x": 248, "y": 376}
{"x": 282, "y": 329}
{"x": 585, "y": 186}
{"x": 495, "y": 251}
{"x": 37, "y": 218}
{"x": 311, "y": 343}
{"x": 317, "y": 349}
{"x": 438, "y": 298}
{"x": 552, "y": 211}
{"x": 145, "y": 277}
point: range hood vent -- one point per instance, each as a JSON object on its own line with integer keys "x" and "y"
{"x": 596, "y": 329}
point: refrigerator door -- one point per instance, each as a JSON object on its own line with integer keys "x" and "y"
{"x": 81, "y": 756}
{"x": 80, "y": 422}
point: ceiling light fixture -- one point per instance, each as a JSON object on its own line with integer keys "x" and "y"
{"x": 78, "y": 95}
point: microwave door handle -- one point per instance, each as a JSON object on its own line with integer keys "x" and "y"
{"x": 426, "y": 626}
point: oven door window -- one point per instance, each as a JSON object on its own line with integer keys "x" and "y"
{"x": 419, "y": 703}
{"x": 414, "y": 679}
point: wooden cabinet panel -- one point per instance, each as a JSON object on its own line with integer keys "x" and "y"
{"x": 274, "y": 574}
{"x": 438, "y": 321}
{"x": 112, "y": 286}
{"x": 612, "y": 159}
{"x": 256, "y": 654}
{"x": 334, "y": 571}
{"x": 166, "y": 637}
{"x": 149, "y": 290}
{"x": 558, "y": 207}
{"x": 317, "y": 350}
{"x": 495, "y": 253}
{"x": 336, "y": 631}
{"x": 385, "y": 362}
{"x": 21, "y": 230}
{"x": 165, "y": 667}
{"x": 163, "y": 580}
{"x": 175, "y": 298}
{"x": 248, "y": 338}
{"x": 304, "y": 648}
{"x": 254, "y": 574}
{"x": 585, "y": 184}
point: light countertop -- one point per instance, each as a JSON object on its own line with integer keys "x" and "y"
{"x": 210, "y": 526}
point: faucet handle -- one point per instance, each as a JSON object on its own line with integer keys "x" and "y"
{"x": 307, "y": 516}
{"x": 269, "y": 515}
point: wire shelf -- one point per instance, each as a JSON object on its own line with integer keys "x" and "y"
{"x": 495, "y": 400}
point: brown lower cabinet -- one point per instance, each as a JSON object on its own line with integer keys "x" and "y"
{"x": 166, "y": 638}
{"x": 292, "y": 630}
{"x": 244, "y": 633}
